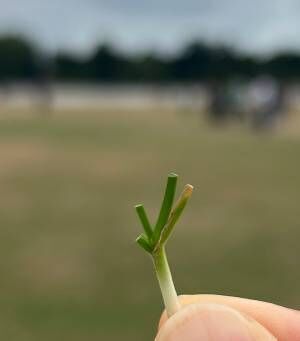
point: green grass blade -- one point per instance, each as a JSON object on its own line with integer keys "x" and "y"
{"x": 175, "y": 215}
{"x": 166, "y": 206}
{"x": 144, "y": 220}
{"x": 144, "y": 243}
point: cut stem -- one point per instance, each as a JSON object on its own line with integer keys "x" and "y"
{"x": 166, "y": 206}
{"x": 166, "y": 284}
{"x": 144, "y": 220}
{"x": 175, "y": 215}
{"x": 154, "y": 240}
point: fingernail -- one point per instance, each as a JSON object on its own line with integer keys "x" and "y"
{"x": 212, "y": 322}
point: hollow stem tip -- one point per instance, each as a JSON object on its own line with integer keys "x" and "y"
{"x": 154, "y": 239}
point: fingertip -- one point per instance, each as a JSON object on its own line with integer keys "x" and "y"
{"x": 211, "y": 322}
{"x": 283, "y": 323}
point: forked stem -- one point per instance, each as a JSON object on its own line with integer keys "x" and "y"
{"x": 154, "y": 240}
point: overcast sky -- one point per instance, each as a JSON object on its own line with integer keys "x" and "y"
{"x": 257, "y": 25}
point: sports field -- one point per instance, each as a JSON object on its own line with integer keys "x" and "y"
{"x": 69, "y": 268}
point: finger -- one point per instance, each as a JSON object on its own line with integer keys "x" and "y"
{"x": 282, "y": 322}
{"x": 212, "y": 322}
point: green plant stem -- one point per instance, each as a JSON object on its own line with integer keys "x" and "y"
{"x": 143, "y": 241}
{"x": 175, "y": 215}
{"x": 154, "y": 240}
{"x": 166, "y": 206}
{"x": 165, "y": 280}
{"x": 144, "y": 220}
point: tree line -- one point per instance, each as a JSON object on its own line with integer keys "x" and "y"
{"x": 21, "y": 60}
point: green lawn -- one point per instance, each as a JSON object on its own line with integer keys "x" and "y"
{"x": 69, "y": 269}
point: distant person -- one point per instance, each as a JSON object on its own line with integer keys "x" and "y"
{"x": 218, "y": 105}
{"x": 225, "y": 102}
{"x": 267, "y": 102}
{"x": 43, "y": 82}
{"x": 217, "y": 318}
{"x": 5, "y": 91}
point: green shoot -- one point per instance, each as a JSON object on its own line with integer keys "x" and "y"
{"x": 174, "y": 216}
{"x": 144, "y": 220}
{"x": 154, "y": 240}
{"x": 166, "y": 205}
{"x": 143, "y": 242}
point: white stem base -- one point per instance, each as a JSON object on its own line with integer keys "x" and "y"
{"x": 166, "y": 284}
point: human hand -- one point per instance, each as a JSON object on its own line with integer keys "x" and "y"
{"x": 222, "y": 318}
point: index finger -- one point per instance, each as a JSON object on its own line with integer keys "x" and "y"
{"x": 282, "y": 322}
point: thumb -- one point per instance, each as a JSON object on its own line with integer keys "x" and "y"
{"x": 212, "y": 322}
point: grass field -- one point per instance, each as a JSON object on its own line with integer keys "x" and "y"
{"x": 69, "y": 269}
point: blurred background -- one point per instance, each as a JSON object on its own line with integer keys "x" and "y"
{"x": 99, "y": 101}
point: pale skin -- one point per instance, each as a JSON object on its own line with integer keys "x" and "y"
{"x": 223, "y": 318}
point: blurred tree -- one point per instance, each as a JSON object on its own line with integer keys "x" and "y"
{"x": 107, "y": 65}
{"x": 195, "y": 63}
{"x": 284, "y": 66}
{"x": 17, "y": 59}
{"x": 248, "y": 67}
{"x": 152, "y": 69}
{"x": 198, "y": 62}
{"x": 224, "y": 64}
{"x": 68, "y": 67}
